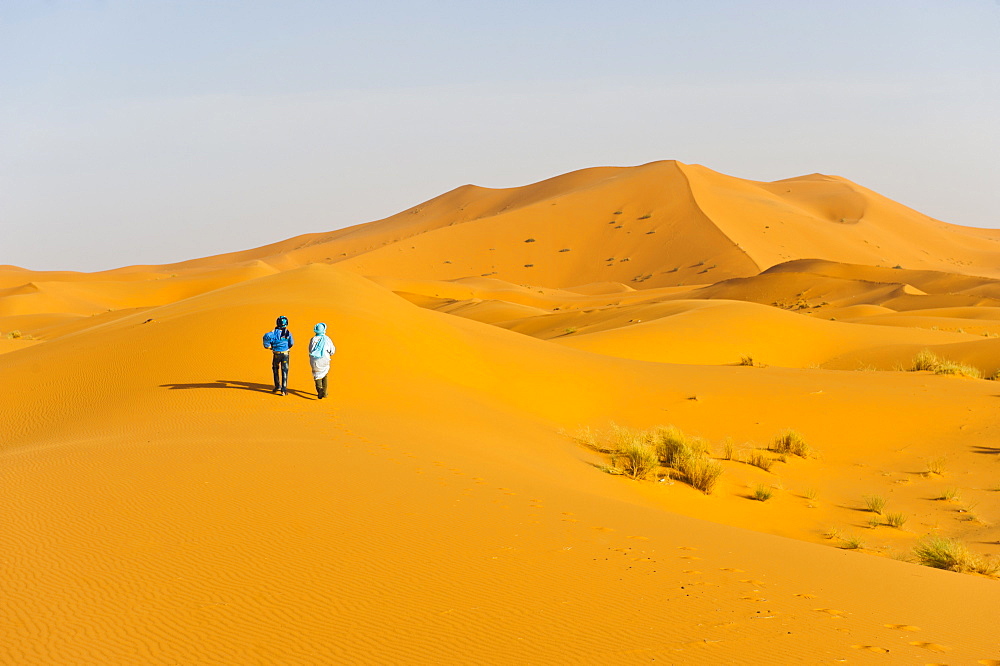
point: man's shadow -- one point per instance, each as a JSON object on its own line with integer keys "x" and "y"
{"x": 240, "y": 386}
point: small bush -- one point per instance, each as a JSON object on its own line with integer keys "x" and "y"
{"x": 529, "y": 240}
{"x": 760, "y": 459}
{"x": 987, "y": 566}
{"x": 874, "y": 522}
{"x": 762, "y": 493}
{"x": 811, "y": 494}
{"x": 928, "y": 361}
{"x": 896, "y": 520}
{"x": 936, "y": 465}
{"x": 701, "y": 473}
{"x": 636, "y": 459}
{"x": 673, "y": 446}
{"x": 942, "y": 553}
{"x": 645, "y": 217}
{"x": 852, "y": 542}
{"x": 728, "y": 448}
{"x": 747, "y": 360}
{"x": 789, "y": 441}
{"x": 14, "y": 335}
{"x": 875, "y": 503}
{"x": 949, "y": 495}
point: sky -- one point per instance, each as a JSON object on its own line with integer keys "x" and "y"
{"x": 155, "y": 131}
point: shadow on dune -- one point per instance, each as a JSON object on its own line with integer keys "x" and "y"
{"x": 240, "y": 386}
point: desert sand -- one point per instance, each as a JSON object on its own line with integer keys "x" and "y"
{"x": 161, "y": 506}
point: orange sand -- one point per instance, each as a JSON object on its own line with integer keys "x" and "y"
{"x": 162, "y": 506}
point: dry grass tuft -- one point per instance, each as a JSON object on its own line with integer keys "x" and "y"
{"x": 728, "y": 448}
{"x": 937, "y": 465}
{"x": 637, "y": 453}
{"x": 636, "y": 459}
{"x": 762, "y": 493}
{"x": 759, "y": 459}
{"x": 950, "y": 495}
{"x": 701, "y": 473}
{"x": 875, "y": 503}
{"x": 927, "y": 360}
{"x": 791, "y": 442}
{"x": 897, "y": 520}
{"x": 852, "y": 542}
{"x": 942, "y": 553}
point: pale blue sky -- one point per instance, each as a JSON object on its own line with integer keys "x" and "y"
{"x": 154, "y": 131}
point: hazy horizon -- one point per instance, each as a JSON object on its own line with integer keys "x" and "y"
{"x": 151, "y": 132}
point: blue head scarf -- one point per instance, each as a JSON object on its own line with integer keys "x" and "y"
{"x": 320, "y": 329}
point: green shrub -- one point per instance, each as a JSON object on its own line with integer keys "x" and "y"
{"x": 942, "y": 553}
{"x": 762, "y": 493}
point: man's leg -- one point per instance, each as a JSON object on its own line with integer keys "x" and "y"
{"x": 284, "y": 371}
{"x": 324, "y": 386}
{"x": 276, "y": 371}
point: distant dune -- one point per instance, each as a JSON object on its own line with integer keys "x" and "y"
{"x": 447, "y": 504}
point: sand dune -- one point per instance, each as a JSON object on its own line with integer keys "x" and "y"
{"x": 163, "y": 506}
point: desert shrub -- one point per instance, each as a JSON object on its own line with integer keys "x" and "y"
{"x": 13, "y": 335}
{"x": 852, "y": 542}
{"x": 927, "y": 360}
{"x": 760, "y": 459}
{"x": 875, "y": 503}
{"x": 936, "y": 465}
{"x": 942, "y": 553}
{"x": 896, "y": 520}
{"x": 636, "y": 459}
{"x": 995, "y": 376}
{"x": 762, "y": 493}
{"x": 959, "y": 369}
{"x": 701, "y": 473}
{"x": 747, "y": 360}
{"x": 790, "y": 441}
{"x": 673, "y": 446}
{"x": 949, "y": 495}
{"x": 987, "y": 566}
{"x": 727, "y": 448}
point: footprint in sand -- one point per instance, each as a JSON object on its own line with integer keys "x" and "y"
{"x": 933, "y": 647}
{"x": 871, "y": 648}
{"x": 639, "y": 538}
{"x": 831, "y": 612}
{"x": 808, "y": 596}
{"x": 731, "y": 569}
{"x": 686, "y": 548}
{"x": 989, "y": 662}
{"x": 755, "y": 583}
{"x": 690, "y": 557}
{"x": 570, "y": 520}
{"x": 603, "y": 529}
{"x": 901, "y": 627}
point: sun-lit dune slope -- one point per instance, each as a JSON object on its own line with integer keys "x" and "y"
{"x": 160, "y": 504}
{"x": 663, "y": 223}
{"x": 728, "y": 332}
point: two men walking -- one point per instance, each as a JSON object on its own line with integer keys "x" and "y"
{"x": 280, "y": 342}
